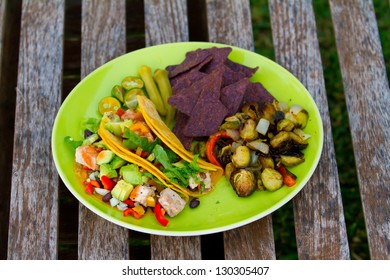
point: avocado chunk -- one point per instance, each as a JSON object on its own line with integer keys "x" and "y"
{"x": 114, "y": 127}
{"x": 122, "y": 190}
{"x": 104, "y": 156}
{"x": 131, "y": 174}
{"x": 106, "y": 170}
{"x": 91, "y": 139}
{"x": 117, "y": 162}
{"x": 117, "y": 128}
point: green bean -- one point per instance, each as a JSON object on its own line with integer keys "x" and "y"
{"x": 162, "y": 81}
{"x": 151, "y": 88}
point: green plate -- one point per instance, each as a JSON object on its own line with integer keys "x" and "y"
{"x": 220, "y": 210}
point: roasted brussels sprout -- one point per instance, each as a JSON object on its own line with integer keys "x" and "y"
{"x": 267, "y": 162}
{"x": 243, "y": 182}
{"x": 252, "y": 110}
{"x": 293, "y": 160}
{"x": 225, "y": 155}
{"x": 284, "y": 141}
{"x": 285, "y": 125}
{"x": 229, "y": 168}
{"x": 248, "y": 132}
{"x": 272, "y": 179}
{"x": 298, "y": 116}
{"x": 232, "y": 122}
{"x": 268, "y": 111}
{"x": 241, "y": 157}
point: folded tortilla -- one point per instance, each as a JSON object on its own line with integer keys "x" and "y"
{"x": 155, "y": 123}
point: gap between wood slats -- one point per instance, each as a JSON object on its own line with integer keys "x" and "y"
{"x": 68, "y": 222}
{"x": 10, "y": 14}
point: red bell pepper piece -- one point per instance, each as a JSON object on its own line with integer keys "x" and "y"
{"x": 131, "y": 212}
{"x": 158, "y": 212}
{"x": 289, "y": 179}
{"x": 129, "y": 202}
{"x": 210, "y": 145}
{"x": 89, "y": 188}
{"x": 95, "y": 183}
{"x": 108, "y": 184}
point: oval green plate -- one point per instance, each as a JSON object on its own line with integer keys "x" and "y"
{"x": 220, "y": 210}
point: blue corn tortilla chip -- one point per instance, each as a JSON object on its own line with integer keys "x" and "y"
{"x": 232, "y": 95}
{"x": 180, "y": 124}
{"x": 206, "y": 117}
{"x": 207, "y": 87}
{"x": 256, "y": 92}
{"x": 192, "y": 60}
{"x": 185, "y": 99}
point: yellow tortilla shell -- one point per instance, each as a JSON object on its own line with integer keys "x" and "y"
{"x": 153, "y": 120}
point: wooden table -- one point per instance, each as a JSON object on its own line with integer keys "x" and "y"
{"x": 34, "y": 34}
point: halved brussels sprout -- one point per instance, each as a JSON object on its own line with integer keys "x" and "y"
{"x": 243, "y": 182}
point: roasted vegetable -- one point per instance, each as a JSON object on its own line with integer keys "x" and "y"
{"x": 252, "y": 110}
{"x": 268, "y": 111}
{"x": 241, "y": 157}
{"x": 298, "y": 116}
{"x": 287, "y": 160}
{"x": 243, "y": 182}
{"x": 225, "y": 155}
{"x": 164, "y": 86}
{"x": 284, "y": 141}
{"x": 229, "y": 168}
{"x": 272, "y": 179}
{"x": 248, "y": 132}
{"x": 151, "y": 88}
{"x": 285, "y": 125}
{"x": 266, "y": 162}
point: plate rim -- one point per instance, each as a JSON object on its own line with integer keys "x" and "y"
{"x": 170, "y": 232}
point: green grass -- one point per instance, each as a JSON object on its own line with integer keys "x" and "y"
{"x": 283, "y": 218}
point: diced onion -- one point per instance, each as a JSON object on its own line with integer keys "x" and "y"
{"x": 114, "y": 201}
{"x": 295, "y": 109}
{"x": 101, "y": 191}
{"x": 254, "y": 158}
{"x": 233, "y": 133}
{"x": 260, "y": 146}
{"x": 262, "y": 126}
{"x": 122, "y": 206}
{"x": 235, "y": 145}
{"x": 302, "y": 134}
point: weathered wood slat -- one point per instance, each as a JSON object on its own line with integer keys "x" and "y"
{"x": 103, "y": 38}
{"x": 166, "y": 22}
{"x": 34, "y": 194}
{"x": 368, "y": 101}
{"x": 318, "y": 210}
{"x": 230, "y": 22}
{"x": 7, "y": 157}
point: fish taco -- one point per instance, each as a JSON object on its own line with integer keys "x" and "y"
{"x": 140, "y": 136}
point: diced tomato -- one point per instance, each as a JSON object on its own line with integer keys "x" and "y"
{"x": 120, "y": 112}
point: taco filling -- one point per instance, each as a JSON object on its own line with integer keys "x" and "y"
{"x": 135, "y": 138}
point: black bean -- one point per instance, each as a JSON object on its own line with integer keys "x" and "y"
{"x": 87, "y": 133}
{"x": 194, "y": 202}
{"x": 107, "y": 197}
